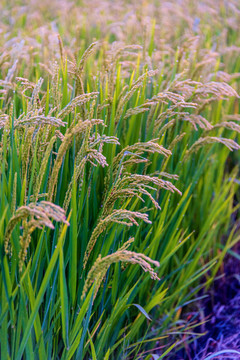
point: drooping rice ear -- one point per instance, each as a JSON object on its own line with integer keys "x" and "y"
{"x": 101, "y": 265}
{"x": 79, "y": 128}
{"x": 121, "y": 216}
{"x": 229, "y": 143}
{"x": 32, "y": 216}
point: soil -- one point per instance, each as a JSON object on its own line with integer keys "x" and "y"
{"x": 220, "y": 314}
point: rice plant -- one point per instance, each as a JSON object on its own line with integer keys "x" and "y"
{"x": 119, "y": 148}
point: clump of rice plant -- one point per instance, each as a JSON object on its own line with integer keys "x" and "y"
{"x": 115, "y": 126}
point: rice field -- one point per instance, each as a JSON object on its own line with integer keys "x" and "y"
{"x": 119, "y": 173}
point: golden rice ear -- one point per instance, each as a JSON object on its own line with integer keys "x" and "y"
{"x": 39, "y": 214}
{"x": 101, "y": 265}
{"x": 77, "y": 70}
{"x": 88, "y": 153}
{"x": 77, "y": 101}
{"x": 4, "y": 119}
{"x": 231, "y": 144}
{"x": 177, "y": 110}
{"x": 150, "y": 104}
{"x": 55, "y": 93}
{"x": 167, "y": 126}
{"x": 123, "y": 217}
{"x": 78, "y": 129}
{"x": 135, "y": 185}
{"x": 136, "y": 111}
{"x": 78, "y": 173}
{"x": 230, "y": 125}
{"x": 24, "y": 242}
{"x": 218, "y": 89}
{"x": 132, "y": 154}
{"x": 61, "y": 48}
{"x": 135, "y": 86}
{"x": 234, "y": 117}
{"x": 36, "y": 119}
{"x": 14, "y": 194}
{"x": 177, "y": 139}
{"x": 26, "y": 148}
{"x": 43, "y": 167}
{"x": 199, "y": 120}
{"x": 87, "y": 53}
